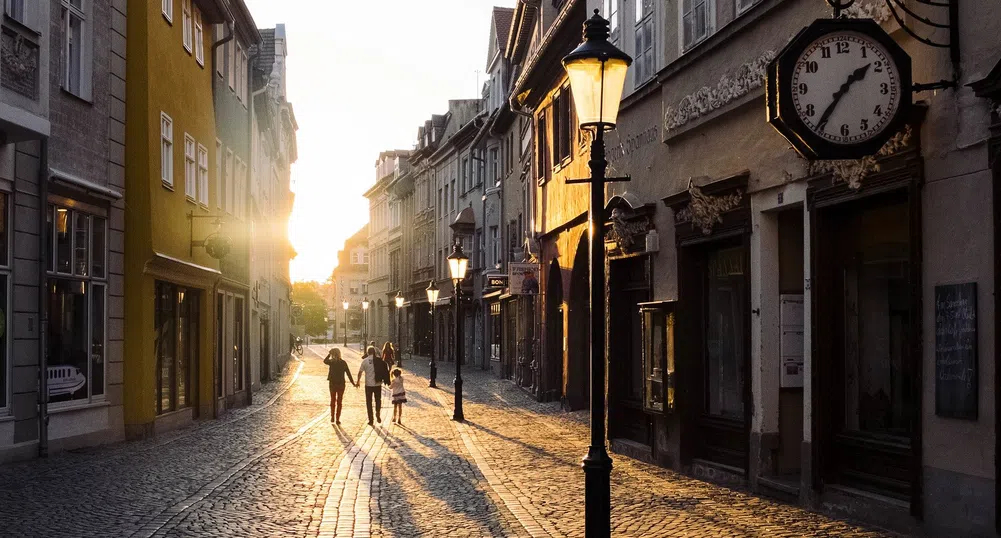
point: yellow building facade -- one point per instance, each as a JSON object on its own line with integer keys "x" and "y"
{"x": 172, "y": 166}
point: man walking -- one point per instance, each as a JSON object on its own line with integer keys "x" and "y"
{"x": 375, "y": 372}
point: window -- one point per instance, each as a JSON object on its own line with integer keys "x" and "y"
{"x": 167, "y": 6}
{"x": 643, "y": 52}
{"x": 166, "y": 150}
{"x": 190, "y": 177}
{"x": 15, "y": 10}
{"x": 186, "y": 24}
{"x": 176, "y": 329}
{"x": 563, "y": 126}
{"x": 494, "y": 168}
{"x": 696, "y": 20}
{"x": 612, "y": 14}
{"x": 238, "y": 60}
{"x": 220, "y": 190}
{"x": 74, "y": 43}
{"x": 542, "y": 149}
{"x": 77, "y": 294}
{"x": 744, "y": 5}
{"x": 203, "y": 175}
{"x": 228, "y": 185}
{"x": 494, "y": 247}
{"x": 199, "y": 38}
{"x": 725, "y": 312}
{"x": 464, "y": 174}
{"x": 231, "y": 63}
{"x": 243, "y": 77}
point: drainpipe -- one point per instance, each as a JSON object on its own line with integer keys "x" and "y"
{"x": 43, "y": 258}
{"x": 226, "y": 39}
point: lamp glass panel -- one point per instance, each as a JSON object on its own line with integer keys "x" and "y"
{"x": 457, "y": 267}
{"x": 593, "y": 105}
{"x": 399, "y": 302}
{"x": 432, "y": 296}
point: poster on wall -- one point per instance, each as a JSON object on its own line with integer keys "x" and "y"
{"x": 523, "y": 278}
{"x": 956, "y": 351}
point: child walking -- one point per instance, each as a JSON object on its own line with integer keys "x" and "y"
{"x": 399, "y": 395}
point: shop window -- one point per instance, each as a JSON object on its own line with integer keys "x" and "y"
{"x": 77, "y": 293}
{"x": 725, "y": 312}
{"x": 658, "y": 356}
{"x": 176, "y": 327}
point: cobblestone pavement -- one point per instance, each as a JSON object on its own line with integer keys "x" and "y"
{"x": 280, "y": 468}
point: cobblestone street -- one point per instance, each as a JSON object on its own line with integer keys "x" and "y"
{"x": 279, "y": 468}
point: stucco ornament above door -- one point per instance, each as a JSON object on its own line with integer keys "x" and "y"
{"x": 705, "y": 210}
{"x": 854, "y": 171}
{"x": 876, "y": 10}
{"x": 729, "y": 88}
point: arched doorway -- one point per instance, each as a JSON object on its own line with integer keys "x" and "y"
{"x": 578, "y": 352}
{"x": 552, "y": 382}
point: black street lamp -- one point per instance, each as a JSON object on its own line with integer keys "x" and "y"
{"x": 458, "y": 263}
{"x": 345, "y": 304}
{"x": 597, "y": 72}
{"x": 364, "y": 313}
{"x": 432, "y": 292}
{"x": 399, "y": 343}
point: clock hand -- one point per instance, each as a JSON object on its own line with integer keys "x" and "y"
{"x": 854, "y": 77}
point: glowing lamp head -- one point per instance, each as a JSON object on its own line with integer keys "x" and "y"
{"x": 364, "y": 304}
{"x": 345, "y": 304}
{"x": 457, "y": 264}
{"x": 432, "y": 292}
{"x": 597, "y": 72}
{"x": 399, "y": 300}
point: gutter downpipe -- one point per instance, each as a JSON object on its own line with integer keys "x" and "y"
{"x": 215, "y": 288}
{"x": 250, "y": 158}
{"x": 43, "y": 321}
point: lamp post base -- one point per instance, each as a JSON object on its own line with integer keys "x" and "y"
{"x": 434, "y": 375}
{"x": 597, "y": 493}
{"x": 457, "y": 414}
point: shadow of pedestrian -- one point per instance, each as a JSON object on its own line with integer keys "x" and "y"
{"x": 445, "y": 476}
{"x": 541, "y": 452}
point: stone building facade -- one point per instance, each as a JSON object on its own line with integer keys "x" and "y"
{"x": 61, "y": 182}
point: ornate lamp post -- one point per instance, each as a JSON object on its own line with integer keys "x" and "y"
{"x": 432, "y": 292}
{"x": 458, "y": 263}
{"x": 345, "y": 304}
{"x": 597, "y": 72}
{"x": 364, "y": 313}
{"x": 399, "y": 343}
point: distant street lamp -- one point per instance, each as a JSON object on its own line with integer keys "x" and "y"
{"x": 345, "y": 304}
{"x": 458, "y": 263}
{"x": 399, "y": 343}
{"x": 597, "y": 72}
{"x": 432, "y": 292}
{"x": 364, "y": 313}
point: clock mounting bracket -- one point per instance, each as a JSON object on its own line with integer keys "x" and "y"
{"x": 940, "y": 9}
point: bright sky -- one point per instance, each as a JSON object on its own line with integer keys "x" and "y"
{"x": 362, "y": 76}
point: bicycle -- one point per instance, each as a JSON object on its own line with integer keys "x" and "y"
{"x": 297, "y": 348}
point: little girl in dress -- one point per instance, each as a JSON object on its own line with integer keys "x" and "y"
{"x": 399, "y": 395}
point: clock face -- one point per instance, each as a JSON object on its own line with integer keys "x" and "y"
{"x": 845, "y": 87}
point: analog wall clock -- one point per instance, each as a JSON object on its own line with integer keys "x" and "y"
{"x": 840, "y": 89}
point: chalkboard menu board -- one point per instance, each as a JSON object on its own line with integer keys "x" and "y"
{"x": 956, "y": 351}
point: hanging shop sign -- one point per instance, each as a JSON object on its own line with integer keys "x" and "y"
{"x": 840, "y": 89}
{"x": 524, "y": 278}
{"x": 496, "y": 281}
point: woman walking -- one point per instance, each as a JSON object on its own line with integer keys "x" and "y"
{"x": 336, "y": 371}
{"x": 389, "y": 354}
{"x": 399, "y": 395}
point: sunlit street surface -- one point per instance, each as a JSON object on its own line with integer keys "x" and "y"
{"x": 279, "y": 468}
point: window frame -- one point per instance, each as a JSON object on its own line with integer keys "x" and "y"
{"x": 199, "y": 35}
{"x": 220, "y": 178}
{"x": 203, "y": 176}
{"x": 167, "y": 9}
{"x": 186, "y": 26}
{"x": 190, "y": 169}
{"x": 6, "y": 267}
{"x": 646, "y": 57}
{"x": 69, "y": 12}
{"x": 89, "y": 280}
{"x": 684, "y": 48}
{"x": 166, "y": 150}
{"x": 228, "y": 182}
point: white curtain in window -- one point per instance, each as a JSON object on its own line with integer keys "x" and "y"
{"x": 166, "y": 150}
